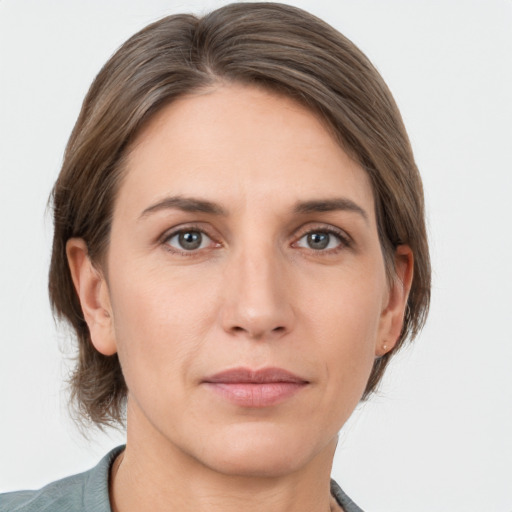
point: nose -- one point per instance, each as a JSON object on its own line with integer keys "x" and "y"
{"x": 257, "y": 300}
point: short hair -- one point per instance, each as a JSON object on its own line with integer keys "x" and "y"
{"x": 278, "y": 47}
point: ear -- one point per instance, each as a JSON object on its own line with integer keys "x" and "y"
{"x": 91, "y": 287}
{"x": 392, "y": 316}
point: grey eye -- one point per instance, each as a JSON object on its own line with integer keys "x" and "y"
{"x": 189, "y": 240}
{"x": 320, "y": 240}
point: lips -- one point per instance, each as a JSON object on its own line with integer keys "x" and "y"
{"x": 255, "y": 388}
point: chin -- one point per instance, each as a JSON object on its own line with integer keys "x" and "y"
{"x": 259, "y": 452}
{"x": 256, "y": 463}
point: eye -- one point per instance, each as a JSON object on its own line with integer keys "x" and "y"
{"x": 189, "y": 240}
{"x": 321, "y": 240}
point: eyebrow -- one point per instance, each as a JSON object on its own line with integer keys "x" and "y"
{"x": 186, "y": 204}
{"x": 329, "y": 205}
{"x": 190, "y": 204}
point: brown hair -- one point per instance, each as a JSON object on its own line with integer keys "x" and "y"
{"x": 279, "y": 47}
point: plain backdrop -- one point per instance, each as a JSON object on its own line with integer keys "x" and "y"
{"x": 438, "y": 436}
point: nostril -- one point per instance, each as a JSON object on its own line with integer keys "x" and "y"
{"x": 257, "y": 333}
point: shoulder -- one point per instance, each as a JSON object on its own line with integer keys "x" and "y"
{"x": 65, "y": 494}
{"x": 342, "y": 499}
{"x": 77, "y": 493}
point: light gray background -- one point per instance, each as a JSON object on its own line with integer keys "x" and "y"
{"x": 439, "y": 435}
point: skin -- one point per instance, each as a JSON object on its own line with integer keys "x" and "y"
{"x": 257, "y": 293}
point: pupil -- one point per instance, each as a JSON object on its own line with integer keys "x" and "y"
{"x": 190, "y": 240}
{"x": 318, "y": 240}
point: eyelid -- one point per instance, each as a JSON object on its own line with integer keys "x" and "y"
{"x": 183, "y": 228}
{"x": 346, "y": 240}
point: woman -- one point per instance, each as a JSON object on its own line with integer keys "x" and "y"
{"x": 240, "y": 247}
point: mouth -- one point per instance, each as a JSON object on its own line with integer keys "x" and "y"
{"x": 255, "y": 388}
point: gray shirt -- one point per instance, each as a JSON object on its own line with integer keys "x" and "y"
{"x": 88, "y": 492}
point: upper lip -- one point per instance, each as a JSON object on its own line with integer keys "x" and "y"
{"x": 249, "y": 376}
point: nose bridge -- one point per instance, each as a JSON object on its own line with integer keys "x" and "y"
{"x": 257, "y": 301}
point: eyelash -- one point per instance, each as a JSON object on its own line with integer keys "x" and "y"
{"x": 187, "y": 229}
{"x": 344, "y": 240}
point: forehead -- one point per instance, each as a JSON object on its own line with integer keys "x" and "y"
{"x": 239, "y": 144}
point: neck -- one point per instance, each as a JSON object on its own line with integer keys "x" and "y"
{"x": 153, "y": 474}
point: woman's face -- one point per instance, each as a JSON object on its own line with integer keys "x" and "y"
{"x": 246, "y": 292}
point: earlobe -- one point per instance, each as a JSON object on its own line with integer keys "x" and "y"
{"x": 392, "y": 317}
{"x": 92, "y": 290}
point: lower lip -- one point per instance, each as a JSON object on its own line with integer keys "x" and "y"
{"x": 256, "y": 395}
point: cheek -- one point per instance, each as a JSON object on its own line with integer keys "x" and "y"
{"x": 346, "y": 319}
{"x": 160, "y": 324}
{"x": 348, "y": 305}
